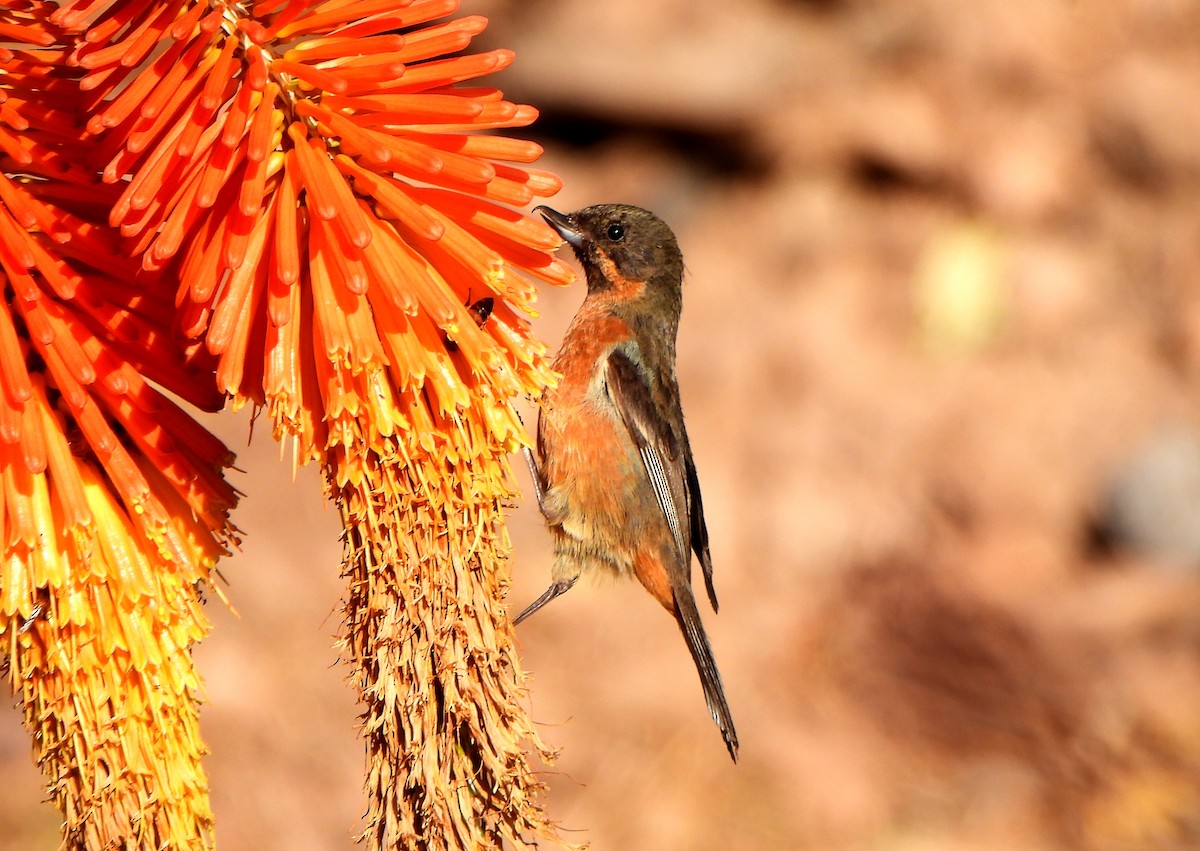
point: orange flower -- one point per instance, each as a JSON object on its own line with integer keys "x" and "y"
{"x": 306, "y": 163}
{"x": 313, "y": 178}
{"x": 113, "y": 509}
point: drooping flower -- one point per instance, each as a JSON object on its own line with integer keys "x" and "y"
{"x": 113, "y": 509}
{"x": 334, "y": 210}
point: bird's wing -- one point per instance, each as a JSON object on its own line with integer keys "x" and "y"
{"x": 699, "y": 529}
{"x": 657, "y": 444}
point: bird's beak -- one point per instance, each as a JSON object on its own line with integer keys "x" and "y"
{"x": 561, "y": 223}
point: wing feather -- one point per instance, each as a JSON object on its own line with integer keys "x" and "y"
{"x": 699, "y": 530}
{"x": 657, "y": 444}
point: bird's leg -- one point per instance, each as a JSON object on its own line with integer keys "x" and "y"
{"x": 539, "y": 487}
{"x": 559, "y": 587}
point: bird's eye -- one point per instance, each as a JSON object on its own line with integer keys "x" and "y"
{"x": 616, "y": 232}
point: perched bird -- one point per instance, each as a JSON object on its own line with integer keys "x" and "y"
{"x": 616, "y": 482}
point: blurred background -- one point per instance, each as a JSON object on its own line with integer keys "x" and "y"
{"x": 940, "y": 356}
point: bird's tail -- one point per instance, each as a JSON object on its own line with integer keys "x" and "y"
{"x": 688, "y": 617}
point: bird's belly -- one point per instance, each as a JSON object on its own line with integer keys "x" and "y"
{"x": 597, "y": 494}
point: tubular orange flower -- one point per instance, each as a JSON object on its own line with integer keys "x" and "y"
{"x": 113, "y": 510}
{"x": 314, "y": 177}
{"x": 315, "y": 122}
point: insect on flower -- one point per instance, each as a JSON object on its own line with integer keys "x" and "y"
{"x": 29, "y": 622}
{"x": 480, "y": 311}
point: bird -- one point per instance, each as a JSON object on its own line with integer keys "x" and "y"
{"x": 615, "y": 479}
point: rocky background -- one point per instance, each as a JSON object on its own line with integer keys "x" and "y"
{"x": 940, "y": 358}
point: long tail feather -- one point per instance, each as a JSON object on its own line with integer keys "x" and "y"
{"x": 688, "y": 617}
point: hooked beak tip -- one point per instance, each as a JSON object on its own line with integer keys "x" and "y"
{"x": 561, "y": 223}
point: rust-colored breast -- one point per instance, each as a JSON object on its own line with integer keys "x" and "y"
{"x": 590, "y": 464}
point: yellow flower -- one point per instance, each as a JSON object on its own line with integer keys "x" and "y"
{"x": 113, "y": 509}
